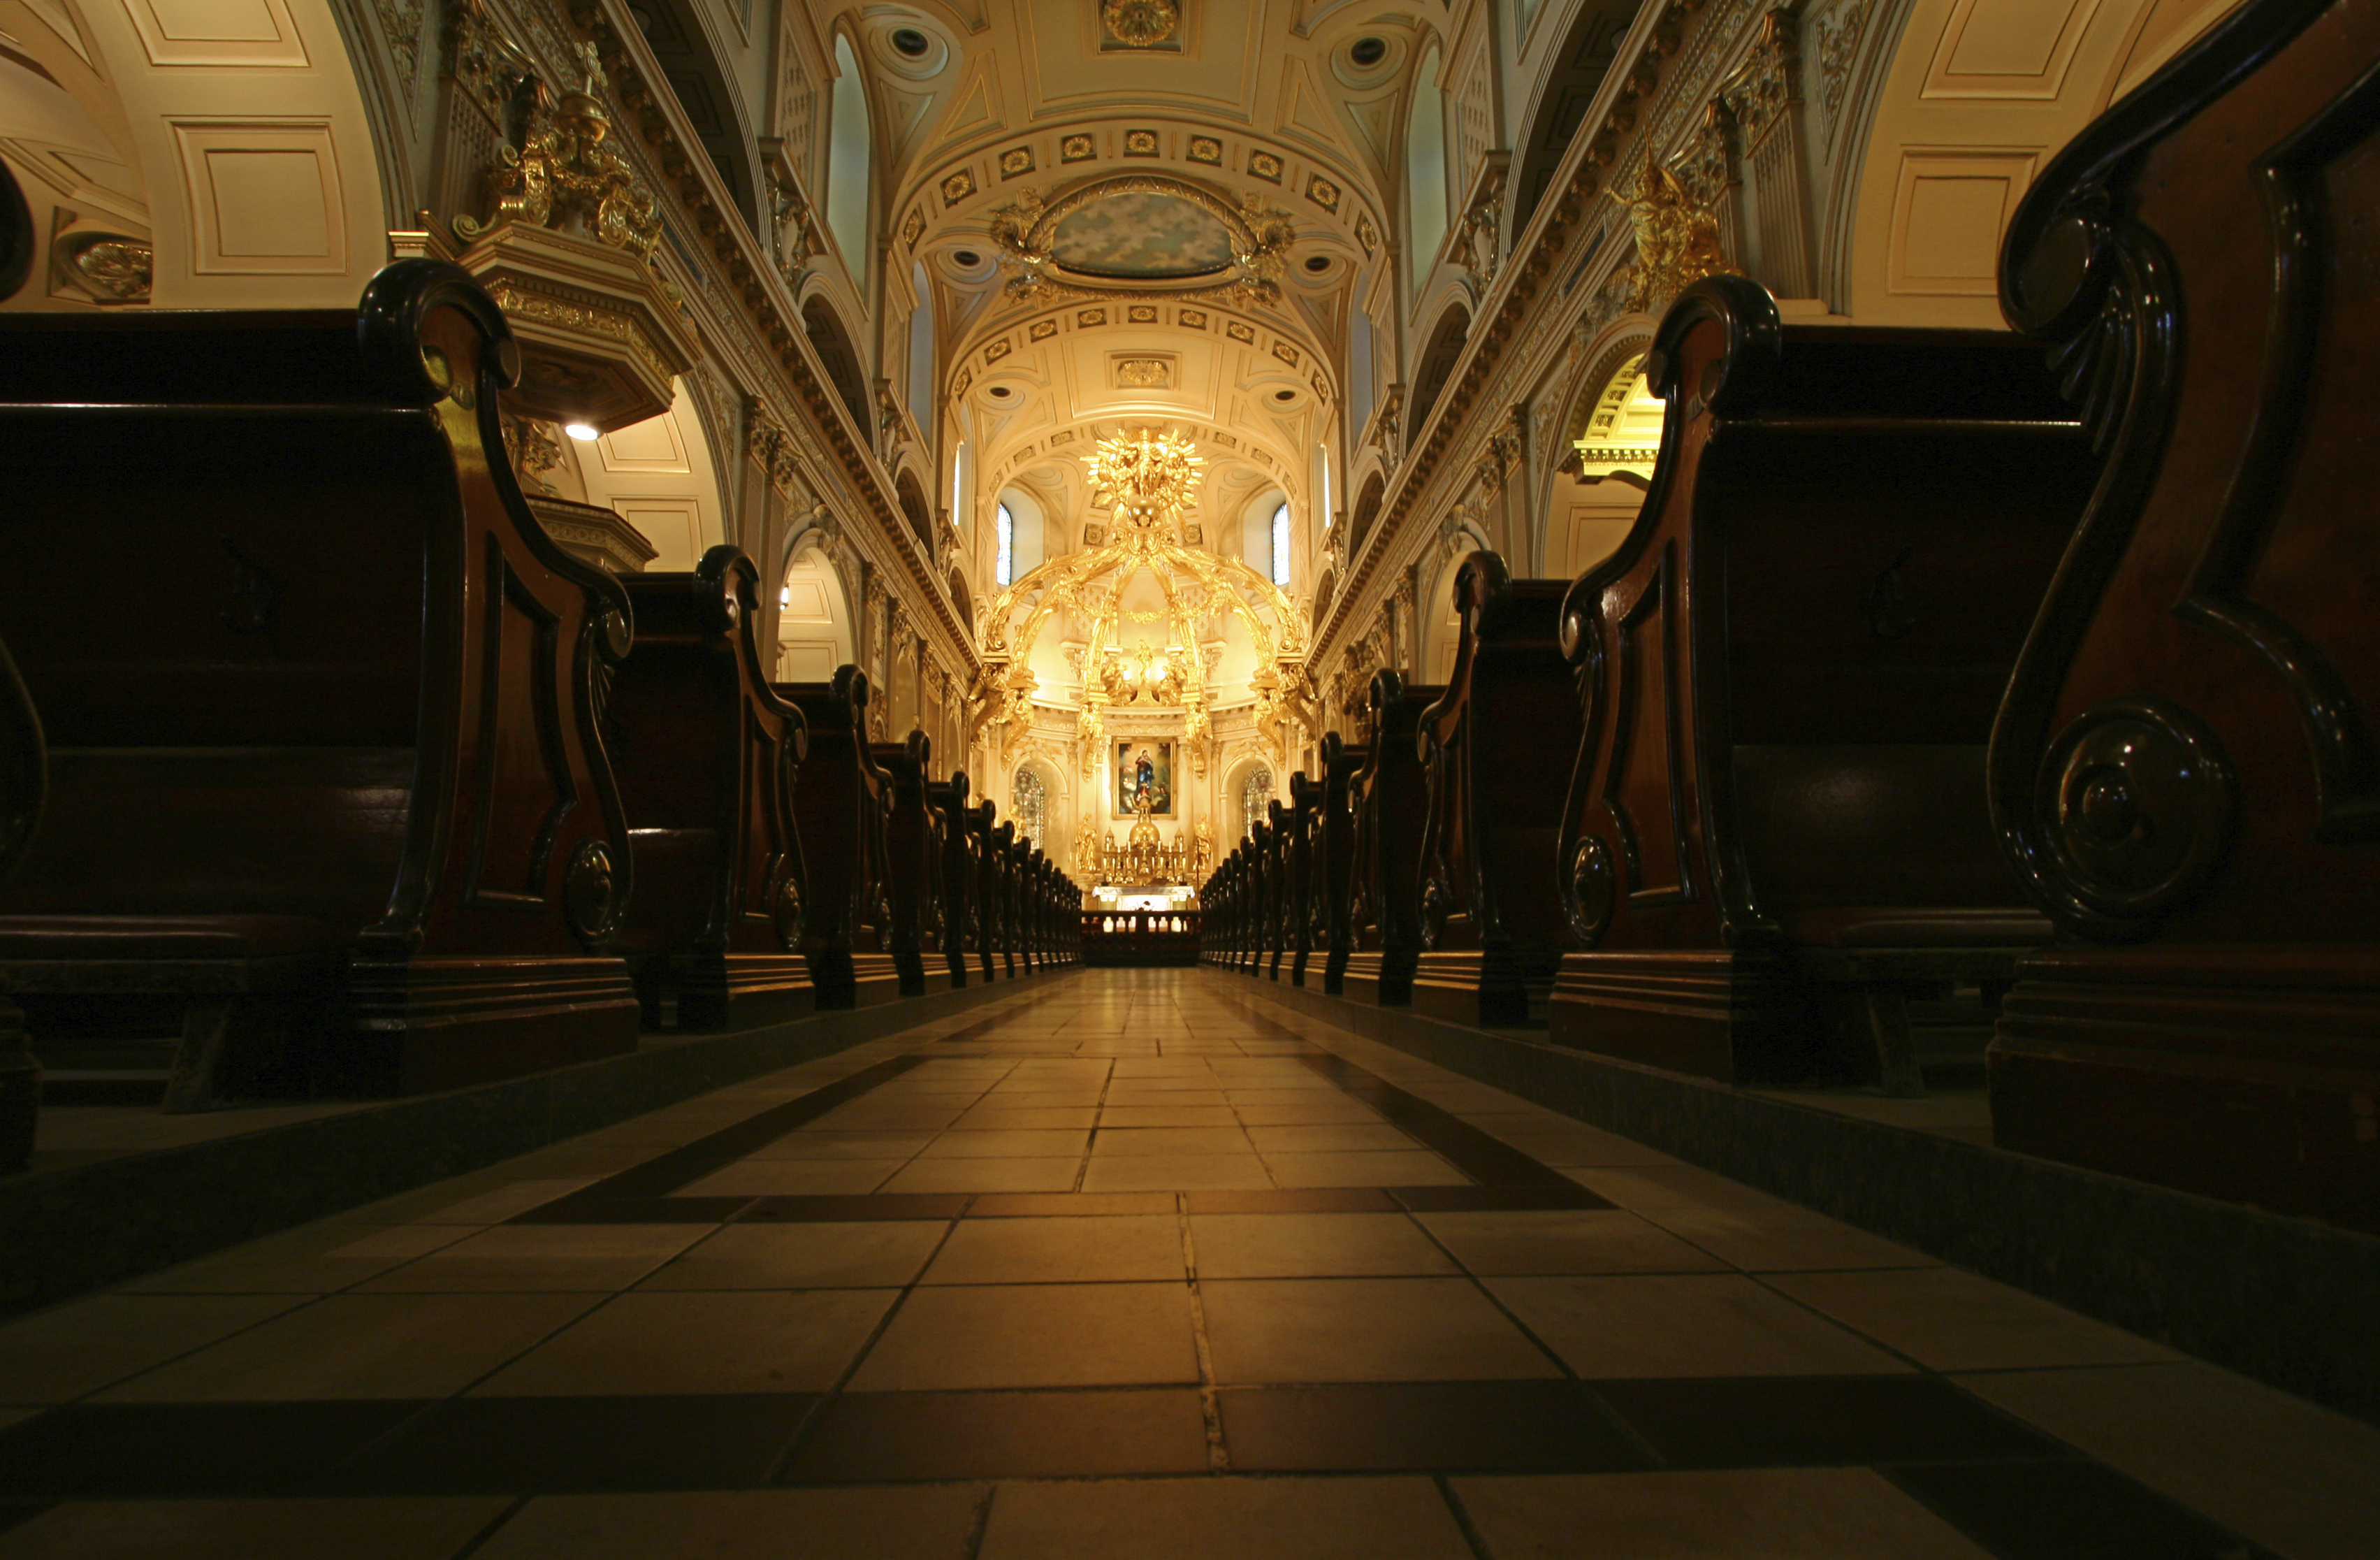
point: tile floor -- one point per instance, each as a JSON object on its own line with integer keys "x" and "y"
{"x": 1125, "y": 1264}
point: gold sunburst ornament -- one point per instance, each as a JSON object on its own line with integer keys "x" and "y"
{"x": 1148, "y": 478}
{"x": 1141, "y": 23}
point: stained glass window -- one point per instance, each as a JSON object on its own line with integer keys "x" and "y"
{"x": 1281, "y": 545}
{"x": 1004, "y": 569}
{"x": 1256, "y": 791}
{"x": 1029, "y": 804}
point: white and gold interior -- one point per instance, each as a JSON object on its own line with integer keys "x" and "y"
{"x": 867, "y": 289}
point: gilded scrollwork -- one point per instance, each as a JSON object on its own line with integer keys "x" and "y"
{"x": 564, "y": 169}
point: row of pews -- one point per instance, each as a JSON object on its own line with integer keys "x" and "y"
{"x": 325, "y": 773}
{"x": 1961, "y": 706}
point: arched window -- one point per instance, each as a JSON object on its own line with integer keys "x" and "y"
{"x": 1003, "y": 567}
{"x": 851, "y": 159}
{"x": 1425, "y": 172}
{"x": 921, "y": 356}
{"x": 1256, "y": 791}
{"x": 1281, "y": 545}
{"x": 1029, "y": 804}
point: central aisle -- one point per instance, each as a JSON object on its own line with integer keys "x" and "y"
{"x": 1125, "y": 1263}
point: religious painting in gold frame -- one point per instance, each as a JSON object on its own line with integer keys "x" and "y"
{"x": 1142, "y": 763}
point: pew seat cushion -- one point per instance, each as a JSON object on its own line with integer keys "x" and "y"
{"x": 166, "y": 953}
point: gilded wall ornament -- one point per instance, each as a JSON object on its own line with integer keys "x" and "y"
{"x": 1677, "y": 241}
{"x": 566, "y": 170}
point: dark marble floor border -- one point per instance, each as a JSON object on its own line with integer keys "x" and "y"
{"x": 2288, "y": 1301}
{"x": 82, "y": 1226}
{"x": 2025, "y": 1496}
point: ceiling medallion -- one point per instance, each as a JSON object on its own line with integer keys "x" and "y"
{"x": 1142, "y": 236}
{"x": 1140, "y": 24}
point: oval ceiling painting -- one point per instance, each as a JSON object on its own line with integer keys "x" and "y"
{"x": 1143, "y": 237}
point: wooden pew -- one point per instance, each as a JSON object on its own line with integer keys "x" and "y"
{"x": 1492, "y": 927}
{"x": 706, "y": 759}
{"x": 913, "y": 856}
{"x": 1776, "y": 833}
{"x": 1004, "y": 854}
{"x": 989, "y": 911}
{"x": 2185, "y": 769}
{"x": 958, "y": 872}
{"x": 24, "y": 780}
{"x": 336, "y": 807}
{"x": 1335, "y": 841}
{"x": 841, "y": 802}
{"x": 1258, "y": 938}
{"x": 1304, "y": 820}
{"x": 1384, "y": 931}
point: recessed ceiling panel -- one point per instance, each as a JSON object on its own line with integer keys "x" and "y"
{"x": 1142, "y": 238}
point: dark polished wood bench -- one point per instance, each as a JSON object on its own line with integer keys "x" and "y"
{"x": 707, "y": 754}
{"x": 841, "y": 803}
{"x": 957, "y": 871}
{"x": 2186, "y": 767}
{"x": 1392, "y": 802}
{"x": 991, "y": 914}
{"x": 914, "y": 859}
{"x": 24, "y": 780}
{"x": 333, "y": 806}
{"x": 1335, "y": 858}
{"x": 1776, "y": 835}
{"x": 1492, "y": 925}
{"x": 1305, "y": 878}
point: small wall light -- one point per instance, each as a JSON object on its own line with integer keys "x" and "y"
{"x": 580, "y": 432}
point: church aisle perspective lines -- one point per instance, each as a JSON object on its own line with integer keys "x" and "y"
{"x": 1135, "y": 1264}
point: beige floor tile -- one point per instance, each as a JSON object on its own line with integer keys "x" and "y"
{"x": 1210, "y": 1518}
{"x": 862, "y": 1116}
{"x": 1684, "y": 1326}
{"x": 1312, "y": 1246}
{"x": 1773, "y": 1514}
{"x": 1115, "y": 1116}
{"x": 1111, "y": 1144}
{"x": 1029, "y": 1336}
{"x": 863, "y": 1255}
{"x": 1048, "y": 1174}
{"x": 1037, "y": 1118}
{"x": 1314, "y": 1093}
{"x": 1043, "y": 1143}
{"x": 810, "y": 1144}
{"x": 361, "y": 1345}
{"x": 1176, "y": 1172}
{"x": 312, "y": 1260}
{"x": 907, "y": 1522}
{"x": 1100, "y": 1249}
{"x": 762, "y": 1341}
{"x": 252, "y": 1529}
{"x": 1344, "y": 1137}
{"x": 1412, "y": 1167}
{"x": 795, "y": 1178}
{"x": 1185, "y": 1081}
{"x": 1954, "y": 1320}
{"x": 1784, "y": 1239}
{"x": 1324, "y": 1110}
{"x": 526, "y": 1258}
{"x": 80, "y": 1348}
{"x": 1564, "y": 1240}
{"x": 1172, "y": 1099}
{"x": 2301, "y": 1479}
{"x": 1362, "y": 1330}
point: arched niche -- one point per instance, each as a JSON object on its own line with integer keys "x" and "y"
{"x": 1573, "y": 75}
{"x": 814, "y": 630}
{"x": 962, "y": 600}
{"x": 1612, "y": 440}
{"x": 841, "y": 359}
{"x": 1367, "y": 511}
{"x": 674, "y": 33}
{"x": 1251, "y": 782}
{"x": 1441, "y": 622}
{"x": 1437, "y": 364}
{"x": 911, "y": 494}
